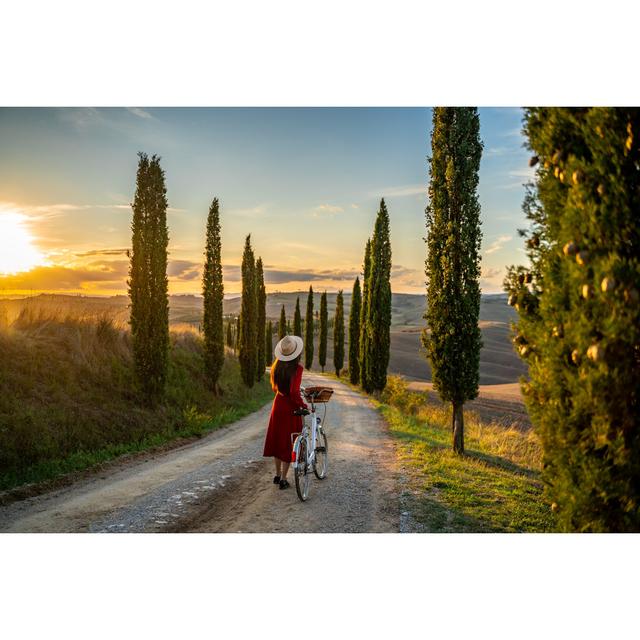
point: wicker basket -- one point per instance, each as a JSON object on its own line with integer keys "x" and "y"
{"x": 318, "y": 394}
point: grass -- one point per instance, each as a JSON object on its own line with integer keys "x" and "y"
{"x": 494, "y": 487}
{"x": 68, "y": 397}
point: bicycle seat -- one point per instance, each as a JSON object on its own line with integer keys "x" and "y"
{"x": 301, "y": 412}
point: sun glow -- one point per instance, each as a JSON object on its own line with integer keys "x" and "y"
{"x": 17, "y": 252}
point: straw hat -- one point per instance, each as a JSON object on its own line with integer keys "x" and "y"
{"x": 289, "y": 348}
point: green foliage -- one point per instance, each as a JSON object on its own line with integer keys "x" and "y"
{"x": 213, "y": 296}
{"x": 354, "y": 333}
{"x": 268, "y": 347}
{"x": 378, "y": 307}
{"x": 282, "y": 325}
{"x": 324, "y": 322}
{"x": 338, "y": 334}
{"x": 248, "y": 348}
{"x": 229, "y": 335}
{"x": 87, "y": 412}
{"x": 297, "y": 320}
{"x": 148, "y": 283}
{"x": 308, "y": 337}
{"x": 579, "y": 312}
{"x": 397, "y": 394}
{"x": 262, "y": 320}
{"x": 364, "y": 339}
{"x": 452, "y": 337}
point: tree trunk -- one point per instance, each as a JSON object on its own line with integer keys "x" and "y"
{"x": 458, "y": 428}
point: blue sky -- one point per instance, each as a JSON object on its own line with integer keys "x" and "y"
{"x": 305, "y": 183}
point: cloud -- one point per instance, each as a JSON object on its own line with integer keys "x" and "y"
{"x": 64, "y": 278}
{"x": 116, "y": 268}
{"x": 401, "y": 191}
{"x": 522, "y": 175}
{"x": 141, "y": 113}
{"x": 276, "y": 276}
{"x": 402, "y": 277}
{"x": 60, "y": 208}
{"x": 490, "y": 272}
{"x": 81, "y": 118}
{"x": 502, "y": 151}
{"x": 512, "y": 133}
{"x": 330, "y": 209}
{"x": 248, "y": 211}
{"x": 497, "y": 244}
{"x": 183, "y": 269}
{"x": 527, "y": 174}
{"x": 273, "y": 275}
{"x": 103, "y": 252}
{"x": 354, "y": 206}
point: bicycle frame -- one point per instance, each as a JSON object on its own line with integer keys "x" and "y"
{"x": 310, "y": 436}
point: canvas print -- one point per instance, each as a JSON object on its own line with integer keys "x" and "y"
{"x": 394, "y": 320}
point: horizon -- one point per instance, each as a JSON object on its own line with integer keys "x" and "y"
{"x": 67, "y": 177}
{"x": 227, "y": 296}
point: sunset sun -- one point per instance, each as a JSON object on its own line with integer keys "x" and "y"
{"x": 17, "y": 251}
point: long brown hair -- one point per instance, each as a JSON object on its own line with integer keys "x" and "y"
{"x": 282, "y": 373}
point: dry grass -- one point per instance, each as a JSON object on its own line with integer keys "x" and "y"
{"x": 495, "y": 486}
{"x": 68, "y": 397}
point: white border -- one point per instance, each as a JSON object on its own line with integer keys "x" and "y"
{"x": 332, "y": 53}
{"x": 338, "y": 52}
{"x": 249, "y": 586}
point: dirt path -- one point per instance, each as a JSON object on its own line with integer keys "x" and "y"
{"x": 222, "y": 483}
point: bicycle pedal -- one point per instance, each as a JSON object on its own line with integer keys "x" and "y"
{"x": 320, "y": 449}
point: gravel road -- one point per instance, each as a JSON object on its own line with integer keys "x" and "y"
{"x": 222, "y": 484}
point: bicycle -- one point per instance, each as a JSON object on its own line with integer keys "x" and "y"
{"x": 310, "y": 445}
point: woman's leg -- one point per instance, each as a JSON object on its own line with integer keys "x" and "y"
{"x": 285, "y": 468}
{"x": 278, "y": 465}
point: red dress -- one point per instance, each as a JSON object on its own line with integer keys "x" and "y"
{"x": 282, "y": 422}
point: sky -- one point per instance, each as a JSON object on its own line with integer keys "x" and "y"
{"x": 305, "y": 183}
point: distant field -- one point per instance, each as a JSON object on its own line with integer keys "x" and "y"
{"x": 498, "y": 362}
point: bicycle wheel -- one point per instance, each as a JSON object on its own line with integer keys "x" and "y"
{"x": 302, "y": 472}
{"x": 320, "y": 464}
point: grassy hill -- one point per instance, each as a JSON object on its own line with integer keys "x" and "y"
{"x": 68, "y": 397}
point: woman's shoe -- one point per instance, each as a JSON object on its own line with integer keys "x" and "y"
{"x": 284, "y": 484}
{"x": 276, "y": 479}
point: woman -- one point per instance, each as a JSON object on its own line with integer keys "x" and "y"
{"x": 286, "y": 376}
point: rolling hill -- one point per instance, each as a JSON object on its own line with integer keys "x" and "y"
{"x": 498, "y": 362}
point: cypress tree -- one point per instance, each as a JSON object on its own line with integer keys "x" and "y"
{"x": 268, "y": 345}
{"x": 579, "y": 312}
{"x": 354, "y": 333}
{"x": 378, "y": 318}
{"x": 338, "y": 334}
{"x": 324, "y": 321}
{"x": 297, "y": 320}
{"x": 237, "y": 335}
{"x": 282, "y": 325}
{"x": 248, "y": 317}
{"x": 148, "y": 284}
{"x": 308, "y": 338}
{"x": 364, "y": 342}
{"x": 229, "y": 335}
{"x": 262, "y": 320}
{"x": 452, "y": 337}
{"x": 213, "y": 294}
